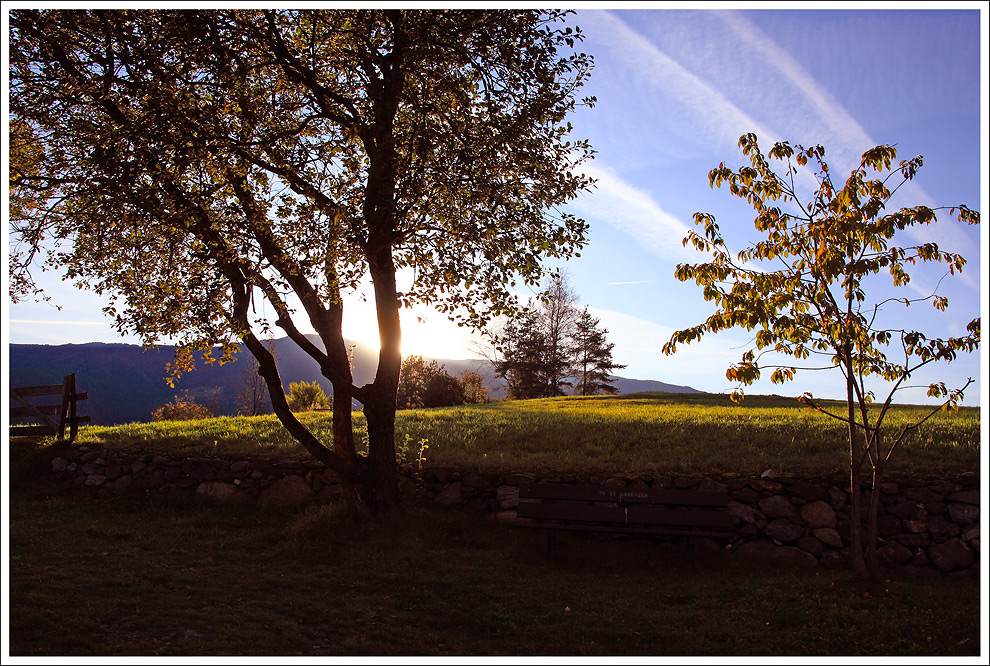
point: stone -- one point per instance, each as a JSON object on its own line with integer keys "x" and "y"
{"x": 507, "y": 496}
{"x": 828, "y": 536}
{"x": 832, "y": 559}
{"x": 474, "y": 481}
{"x": 199, "y": 471}
{"x": 768, "y": 486}
{"x": 288, "y": 491}
{"x": 811, "y": 545}
{"x": 770, "y": 553}
{"x": 913, "y": 540}
{"x": 964, "y": 514}
{"x": 784, "y": 530}
{"x": 837, "y": 497}
{"x": 768, "y": 474}
{"x": 941, "y": 528}
{"x": 749, "y": 531}
{"x": 123, "y": 482}
{"x": 903, "y": 510}
{"x": 920, "y": 558}
{"x": 613, "y": 482}
{"x": 95, "y": 480}
{"x": 915, "y": 526}
{"x": 809, "y": 491}
{"x": 221, "y": 492}
{"x": 937, "y": 508}
{"x": 893, "y": 553}
{"x": 661, "y": 482}
{"x": 778, "y": 506}
{"x": 922, "y": 495}
{"x": 888, "y": 525}
{"x": 966, "y": 497}
{"x": 951, "y": 555}
{"x": 971, "y": 532}
{"x": 741, "y": 512}
{"x": 711, "y": 485}
{"x": 407, "y": 488}
{"x": 159, "y": 460}
{"x": 240, "y": 466}
{"x": 450, "y": 495}
{"x": 746, "y": 495}
{"x": 818, "y": 514}
{"x": 59, "y": 464}
{"x": 516, "y": 479}
{"x": 684, "y": 482}
{"x": 945, "y": 487}
{"x": 889, "y": 488}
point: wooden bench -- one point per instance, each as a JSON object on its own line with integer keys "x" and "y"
{"x": 693, "y": 514}
{"x": 21, "y": 407}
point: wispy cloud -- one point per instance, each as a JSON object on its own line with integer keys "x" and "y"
{"x": 848, "y": 138}
{"x": 635, "y": 212}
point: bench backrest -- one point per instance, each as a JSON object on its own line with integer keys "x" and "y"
{"x": 641, "y": 506}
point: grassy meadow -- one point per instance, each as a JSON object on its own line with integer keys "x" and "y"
{"x": 132, "y": 574}
{"x": 629, "y": 434}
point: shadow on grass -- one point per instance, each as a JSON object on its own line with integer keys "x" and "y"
{"x": 131, "y": 574}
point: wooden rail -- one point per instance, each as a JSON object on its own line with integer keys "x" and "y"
{"x": 53, "y": 417}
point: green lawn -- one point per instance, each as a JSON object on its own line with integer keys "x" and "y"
{"x": 123, "y": 576}
{"x": 640, "y": 433}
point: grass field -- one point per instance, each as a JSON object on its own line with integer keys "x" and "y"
{"x": 100, "y": 576}
{"x": 640, "y": 433}
{"x": 120, "y": 574}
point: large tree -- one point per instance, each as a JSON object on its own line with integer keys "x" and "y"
{"x": 810, "y": 291}
{"x": 194, "y": 163}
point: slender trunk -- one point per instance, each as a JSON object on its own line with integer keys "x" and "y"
{"x": 855, "y": 464}
{"x": 872, "y": 561}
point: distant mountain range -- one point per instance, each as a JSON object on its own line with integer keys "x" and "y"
{"x": 126, "y": 382}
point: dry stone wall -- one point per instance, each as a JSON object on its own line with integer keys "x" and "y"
{"x": 925, "y": 524}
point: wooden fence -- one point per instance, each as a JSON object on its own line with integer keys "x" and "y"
{"x": 53, "y": 417}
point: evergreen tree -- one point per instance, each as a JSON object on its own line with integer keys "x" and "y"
{"x": 521, "y": 350}
{"x": 593, "y": 357}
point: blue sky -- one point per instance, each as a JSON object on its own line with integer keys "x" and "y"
{"x": 676, "y": 89}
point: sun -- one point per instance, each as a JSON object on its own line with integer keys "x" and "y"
{"x": 425, "y": 331}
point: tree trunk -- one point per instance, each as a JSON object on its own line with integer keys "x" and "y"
{"x": 872, "y": 562}
{"x": 855, "y": 496}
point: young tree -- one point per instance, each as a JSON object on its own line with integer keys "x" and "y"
{"x": 307, "y": 396}
{"x": 412, "y": 377}
{"x": 812, "y": 300}
{"x": 558, "y": 314}
{"x": 593, "y": 357}
{"x": 198, "y": 161}
{"x": 252, "y": 398}
{"x": 473, "y": 385}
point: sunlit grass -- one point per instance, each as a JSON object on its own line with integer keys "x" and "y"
{"x": 634, "y": 434}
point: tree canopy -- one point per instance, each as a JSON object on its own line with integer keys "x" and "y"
{"x": 189, "y": 164}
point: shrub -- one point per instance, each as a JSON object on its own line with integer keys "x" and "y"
{"x": 307, "y": 396}
{"x": 182, "y": 409}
